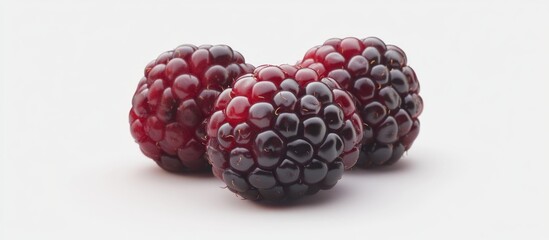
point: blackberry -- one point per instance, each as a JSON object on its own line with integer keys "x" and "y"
{"x": 385, "y": 90}
{"x": 175, "y": 97}
{"x": 281, "y": 133}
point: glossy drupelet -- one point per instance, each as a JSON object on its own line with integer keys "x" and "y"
{"x": 385, "y": 88}
{"x": 174, "y": 99}
{"x": 281, "y": 133}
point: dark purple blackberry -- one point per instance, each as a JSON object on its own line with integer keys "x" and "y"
{"x": 385, "y": 88}
{"x": 281, "y": 133}
{"x": 175, "y": 97}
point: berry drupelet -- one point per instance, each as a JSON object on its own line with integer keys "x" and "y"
{"x": 282, "y": 132}
{"x": 385, "y": 88}
{"x": 174, "y": 98}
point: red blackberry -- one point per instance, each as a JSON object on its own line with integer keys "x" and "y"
{"x": 281, "y": 133}
{"x": 175, "y": 97}
{"x": 385, "y": 90}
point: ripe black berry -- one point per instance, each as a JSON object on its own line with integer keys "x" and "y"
{"x": 281, "y": 133}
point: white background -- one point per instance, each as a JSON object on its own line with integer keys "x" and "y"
{"x": 70, "y": 169}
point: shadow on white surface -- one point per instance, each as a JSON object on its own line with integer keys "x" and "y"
{"x": 158, "y": 172}
{"x": 206, "y": 183}
{"x": 403, "y": 165}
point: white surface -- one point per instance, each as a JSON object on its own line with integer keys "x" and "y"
{"x": 70, "y": 169}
